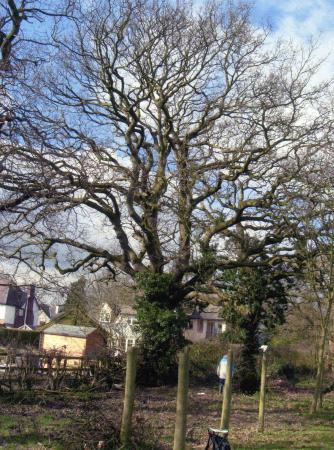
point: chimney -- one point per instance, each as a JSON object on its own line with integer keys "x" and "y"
{"x": 29, "y": 313}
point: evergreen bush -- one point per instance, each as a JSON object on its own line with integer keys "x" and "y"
{"x": 11, "y": 337}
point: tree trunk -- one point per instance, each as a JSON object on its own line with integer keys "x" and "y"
{"x": 247, "y": 372}
{"x": 315, "y": 406}
{"x": 316, "y": 401}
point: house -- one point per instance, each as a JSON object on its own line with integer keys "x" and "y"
{"x": 19, "y": 307}
{"x": 116, "y": 315}
{"x": 74, "y": 340}
{"x": 205, "y": 324}
{"x": 72, "y": 316}
{"x": 120, "y": 325}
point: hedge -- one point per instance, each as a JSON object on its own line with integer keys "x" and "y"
{"x": 19, "y": 338}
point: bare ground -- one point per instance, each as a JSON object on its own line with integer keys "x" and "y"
{"x": 50, "y": 418}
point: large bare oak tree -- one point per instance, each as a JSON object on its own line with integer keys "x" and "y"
{"x": 152, "y": 134}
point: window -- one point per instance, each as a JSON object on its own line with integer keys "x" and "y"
{"x": 211, "y": 330}
{"x": 121, "y": 343}
{"x": 20, "y": 312}
{"x": 200, "y": 326}
{"x": 190, "y": 325}
{"x": 222, "y": 327}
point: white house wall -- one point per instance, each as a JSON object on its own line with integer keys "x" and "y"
{"x": 105, "y": 313}
{"x": 10, "y": 315}
{"x": 36, "y": 312}
{"x": 7, "y": 314}
{"x": 194, "y": 335}
{"x": 126, "y": 330}
{"x": 2, "y": 313}
{"x": 41, "y": 318}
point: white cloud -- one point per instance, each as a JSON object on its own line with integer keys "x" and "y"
{"x": 300, "y": 21}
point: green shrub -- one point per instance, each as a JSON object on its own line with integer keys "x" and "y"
{"x": 204, "y": 358}
{"x": 288, "y": 371}
{"x": 161, "y": 321}
{"x": 292, "y": 372}
{"x": 10, "y": 337}
{"x": 292, "y": 345}
{"x": 288, "y": 354}
{"x": 161, "y": 338}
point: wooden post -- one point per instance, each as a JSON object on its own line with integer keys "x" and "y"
{"x": 131, "y": 363}
{"x": 262, "y": 392}
{"x": 226, "y": 408}
{"x": 182, "y": 401}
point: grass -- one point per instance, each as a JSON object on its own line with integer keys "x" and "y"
{"x": 295, "y": 429}
{"x": 18, "y": 432}
{"x": 315, "y": 437}
{"x": 61, "y": 421}
{"x": 6, "y": 424}
{"x": 46, "y": 421}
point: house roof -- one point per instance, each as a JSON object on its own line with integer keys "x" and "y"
{"x": 45, "y": 308}
{"x": 69, "y": 330}
{"x": 3, "y": 293}
{"x": 5, "y": 287}
{"x": 74, "y": 318}
{"x": 128, "y": 310}
{"x": 211, "y": 312}
{"x": 12, "y": 295}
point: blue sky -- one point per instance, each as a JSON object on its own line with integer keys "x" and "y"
{"x": 301, "y": 20}
{"x": 297, "y": 17}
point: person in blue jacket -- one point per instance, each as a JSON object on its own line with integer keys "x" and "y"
{"x": 222, "y": 372}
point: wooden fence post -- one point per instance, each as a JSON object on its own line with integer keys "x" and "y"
{"x": 182, "y": 401}
{"x": 262, "y": 391}
{"x": 131, "y": 363}
{"x": 226, "y": 408}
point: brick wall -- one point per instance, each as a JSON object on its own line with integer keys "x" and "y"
{"x": 95, "y": 341}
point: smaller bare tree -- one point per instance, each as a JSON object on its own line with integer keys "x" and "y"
{"x": 316, "y": 252}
